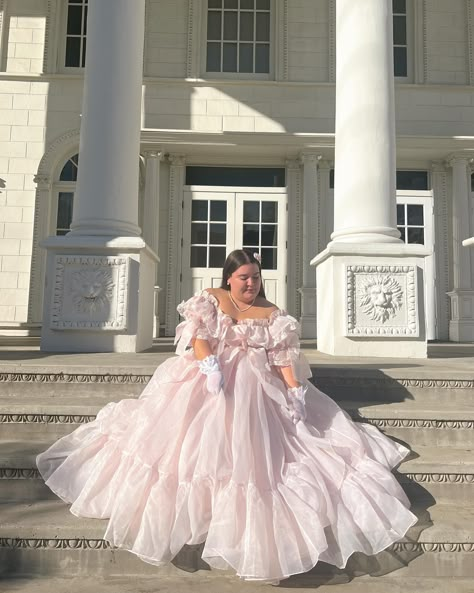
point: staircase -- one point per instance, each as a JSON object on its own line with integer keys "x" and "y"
{"x": 428, "y": 405}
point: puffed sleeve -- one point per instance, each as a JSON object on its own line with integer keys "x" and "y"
{"x": 200, "y": 320}
{"x": 284, "y": 346}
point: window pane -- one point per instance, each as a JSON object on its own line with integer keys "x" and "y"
{"x": 417, "y": 180}
{"x": 269, "y": 235}
{"x": 216, "y": 257}
{"x": 416, "y": 236}
{"x": 415, "y": 214}
{"x": 472, "y": 182}
{"x": 331, "y": 179}
{"x": 217, "y": 234}
{"x": 262, "y": 58}
{"x": 83, "y": 63}
{"x": 231, "y": 3}
{"x": 214, "y": 3}
{"x": 246, "y": 26}
{"x": 73, "y": 52}
{"x": 269, "y": 212}
{"x": 399, "y": 30}
{"x": 69, "y": 171}
{"x": 198, "y": 257}
{"x": 251, "y": 212}
{"x": 230, "y": 57}
{"x": 402, "y": 233}
{"x": 263, "y": 26}
{"x": 399, "y": 6}
{"x": 85, "y": 21}
{"x": 230, "y": 26}
{"x": 199, "y": 233}
{"x": 213, "y": 63}
{"x": 263, "y": 4}
{"x": 65, "y": 204}
{"x": 236, "y": 176}
{"x": 218, "y": 210}
{"x": 400, "y": 214}
{"x": 214, "y": 25}
{"x": 74, "y": 20}
{"x": 250, "y": 235}
{"x": 199, "y": 210}
{"x": 246, "y": 57}
{"x": 269, "y": 259}
{"x": 247, "y": 4}
{"x": 400, "y": 61}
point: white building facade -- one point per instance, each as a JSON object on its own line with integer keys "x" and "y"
{"x": 208, "y": 125}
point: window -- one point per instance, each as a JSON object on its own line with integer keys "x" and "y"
{"x": 236, "y": 176}
{"x": 208, "y": 233}
{"x": 260, "y": 231}
{"x": 76, "y": 31}
{"x": 66, "y": 187}
{"x": 411, "y": 223}
{"x": 400, "y": 38}
{"x": 238, "y": 36}
{"x": 472, "y": 182}
{"x": 412, "y": 180}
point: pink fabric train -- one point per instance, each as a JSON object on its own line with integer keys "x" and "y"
{"x": 181, "y": 466}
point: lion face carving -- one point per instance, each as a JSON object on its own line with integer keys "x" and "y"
{"x": 92, "y": 290}
{"x": 380, "y": 297}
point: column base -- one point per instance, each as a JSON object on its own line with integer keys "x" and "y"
{"x": 370, "y": 300}
{"x": 308, "y": 312}
{"x": 461, "y": 326}
{"x": 99, "y": 295}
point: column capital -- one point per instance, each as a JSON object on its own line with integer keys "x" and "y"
{"x": 438, "y": 166}
{"x": 153, "y": 154}
{"x": 293, "y": 164}
{"x": 177, "y": 160}
{"x": 310, "y": 157}
{"x": 42, "y": 181}
{"x": 458, "y": 158}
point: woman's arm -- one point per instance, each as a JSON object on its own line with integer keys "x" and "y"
{"x": 288, "y": 376}
{"x": 201, "y": 348}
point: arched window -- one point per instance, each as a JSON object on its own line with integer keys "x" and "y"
{"x": 65, "y": 188}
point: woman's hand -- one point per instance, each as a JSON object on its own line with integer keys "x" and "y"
{"x": 296, "y": 396}
{"x": 209, "y": 366}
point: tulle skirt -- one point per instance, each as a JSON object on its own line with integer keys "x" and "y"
{"x": 269, "y": 499}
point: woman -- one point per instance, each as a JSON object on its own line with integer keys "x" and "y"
{"x": 221, "y": 447}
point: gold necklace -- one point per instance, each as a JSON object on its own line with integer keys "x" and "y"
{"x": 237, "y": 306}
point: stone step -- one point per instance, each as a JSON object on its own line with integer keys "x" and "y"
{"x": 430, "y": 474}
{"x": 44, "y": 538}
{"x": 202, "y": 581}
{"x": 414, "y": 422}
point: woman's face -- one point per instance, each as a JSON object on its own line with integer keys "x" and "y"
{"x": 245, "y": 282}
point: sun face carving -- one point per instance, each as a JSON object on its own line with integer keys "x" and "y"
{"x": 380, "y": 297}
{"x": 92, "y": 290}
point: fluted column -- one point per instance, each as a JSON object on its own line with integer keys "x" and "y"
{"x": 106, "y": 201}
{"x": 365, "y": 197}
{"x": 310, "y": 243}
{"x": 461, "y": 325}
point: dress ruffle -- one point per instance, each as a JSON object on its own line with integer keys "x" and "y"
{"x": 181, "y": 466}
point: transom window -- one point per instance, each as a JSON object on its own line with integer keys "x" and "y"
{"x": 400, "y": 38}
{"x": 238, "y": 36}
{"x": 411, "y": 223}
{"x": 66, "y": 188}
{"x": 76, "y": 32}
{"x": 406, "y": 179}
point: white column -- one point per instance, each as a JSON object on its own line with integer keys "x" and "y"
{"x": 100, "y": 276}
{"x": 106, "y": 201}
{"x": 369, "y": 283}
{"x": 461, "y": 326}
{"x": 151, "y": 219}
{"x": 310, "y": 243}
{"x": 365, "y": 196}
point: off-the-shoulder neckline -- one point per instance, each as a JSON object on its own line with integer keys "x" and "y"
{"x": 246, "y": 320}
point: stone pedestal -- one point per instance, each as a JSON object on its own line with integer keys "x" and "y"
{"x": 370, "y": 301}
{"x": 99, "y": 295}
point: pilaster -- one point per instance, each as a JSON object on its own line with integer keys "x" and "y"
{"x": 295, "y": 232}
{"x": 175, "y": 225}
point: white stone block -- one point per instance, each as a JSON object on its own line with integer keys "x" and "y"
{"x": 265, "y": 124}
{"x": 37, "y": 118}
{"x": 18, "y": 230}
{"x": 13, "y": 183}
{"x": 5, "y": 132}
{"x": 11, "y": 214}
{"x": 13, "y": 149}
{"x": 23, "y": 280}
{"x": 40, "y": 88}
{"x": 254, "y": 109}
{"x": 30, "y": 50}
{"x": 14, "y": 87}
{"x": 9, "y": 247}
{"x": 26, "y": 246}
{"x": 29, "y": 102}
{"x": 23, "y": 166}
{"x": 14, "y": 117}
{"x": 19, "y": 198}
{"x": 7, "y": 314}
{"x": 222, "y": 107}
{"x": 21, "y": 36}
{"x": 238, "y": 124}
{"x": 15, "y": 263}
{"x": 19, "y": 65}
{"x": 25, "y": 22}
{"x": 206, "y": 123}
{"x": 6, "y": 101}
{"x": 8, "y": 280}
{"x": 35, "y": 150}
{"x": 21, "y": 312}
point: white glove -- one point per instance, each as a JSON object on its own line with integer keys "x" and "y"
{"x": 209, "y": 366}
{"x": 297, "y": 403}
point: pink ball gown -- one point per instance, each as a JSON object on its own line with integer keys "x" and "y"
{"x": 182, "y": 466}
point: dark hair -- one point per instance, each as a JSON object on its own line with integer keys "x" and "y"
{"x": 235, "y": 259}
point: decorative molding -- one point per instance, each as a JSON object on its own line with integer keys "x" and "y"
{"x": 90, "y": 292}
{"x": 52, "y": 30}
{"x": 426, "y": 65}
{"x": 383, "y": 293}
{"x": 19, "y": 473}
{"x": 413, "y": 423}
{"x": 16, "y": 543}
{"x": 3, "y": 10}
{"x": 332, "y": 41}
{"x": 470, "y": 41}
{"x": 175, "y": 223}
{"x": 295, "y": 233}
{"x": 281, "y": 41}
{"x": 389, "y": 382}
{"x": 439, "y": 186}
{"x": 193, "y": 53}
{"x": 91, "y": 378}
{"x": 46, "y": 418}
{"x": 423, "y": 478}
{"x": 146, "y": 37}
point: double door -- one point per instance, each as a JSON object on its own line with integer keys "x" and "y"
{"x": 218, "y": 220}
